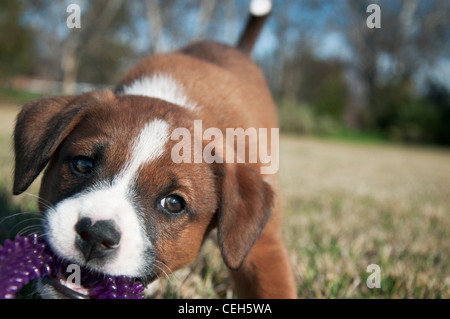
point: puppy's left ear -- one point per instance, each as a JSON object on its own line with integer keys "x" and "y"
{"x": 245, "y": 207}
{"x": 41, "y": 127}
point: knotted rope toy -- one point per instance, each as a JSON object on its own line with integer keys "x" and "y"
{"x": 27, "y": 258}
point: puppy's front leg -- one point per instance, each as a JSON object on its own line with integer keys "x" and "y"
{"x": 266, "y": 272}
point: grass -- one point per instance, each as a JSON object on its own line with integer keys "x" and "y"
{"x": 357, "y": 137}
{"x": 17, "y": 96}
{"x": 346, "y": 206}
{"x": 352, "y": 205}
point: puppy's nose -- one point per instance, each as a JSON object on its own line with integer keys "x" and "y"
{"x": 96, "y": 240}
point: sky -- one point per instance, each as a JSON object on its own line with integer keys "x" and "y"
{"x": 326, "y": 45}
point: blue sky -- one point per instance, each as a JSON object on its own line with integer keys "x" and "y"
{"x": 326, "y": 44}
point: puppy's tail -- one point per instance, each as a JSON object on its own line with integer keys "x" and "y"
{"x": 259, "y": 11}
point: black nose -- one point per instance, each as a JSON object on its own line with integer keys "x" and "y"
{"x": 96, "y": 240}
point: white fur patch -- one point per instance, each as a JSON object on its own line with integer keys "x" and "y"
{"x": 161, "y": 86}
{"x": 101, "y": 204}
{"x": 148, "y": 146}
{"x": 111, "y": 202}
{"x": 260, "y": 8}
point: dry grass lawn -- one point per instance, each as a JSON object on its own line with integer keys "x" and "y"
{"x": 346, "y": 206}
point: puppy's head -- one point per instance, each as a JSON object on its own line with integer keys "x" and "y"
{"x": 119, "y": 204}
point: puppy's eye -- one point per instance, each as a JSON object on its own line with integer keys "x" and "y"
{"x": 173, "y": 204}
{"x": 83, "y": 165}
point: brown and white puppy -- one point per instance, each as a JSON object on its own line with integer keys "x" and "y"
{"x": 119, "y": 203}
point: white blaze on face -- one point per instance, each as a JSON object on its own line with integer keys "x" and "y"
{"x": 148, "y": 146}
{"x": 111, "y": 202}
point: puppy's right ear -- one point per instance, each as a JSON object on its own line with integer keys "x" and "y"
{"x": 40, "y": 127}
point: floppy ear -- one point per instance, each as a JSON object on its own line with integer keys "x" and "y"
{"x": 41, "y": 126}
{"x": 245, "y": 207}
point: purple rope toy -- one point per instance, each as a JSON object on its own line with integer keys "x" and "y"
{"x": 26, "y": 258}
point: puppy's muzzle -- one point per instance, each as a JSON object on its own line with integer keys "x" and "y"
{"x": 97, "y": 240}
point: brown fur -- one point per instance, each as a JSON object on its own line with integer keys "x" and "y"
{"x": 231, "y": 92}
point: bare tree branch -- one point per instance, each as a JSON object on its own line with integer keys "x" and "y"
{"x": 94, "y": 25}
{"x": 204, "y": 15}
{"x": 155, "y": 21}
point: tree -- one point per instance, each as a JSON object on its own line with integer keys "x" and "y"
{"x": 412, "y": 35}
{"x": 16, "y": 40}
{"x": 96, "y": 19}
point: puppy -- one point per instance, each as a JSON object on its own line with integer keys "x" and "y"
{"x": 121, "y": 204}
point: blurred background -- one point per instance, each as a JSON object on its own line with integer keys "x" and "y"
{"x": 364, "y": 115}
{"x": 321, "y": 60}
